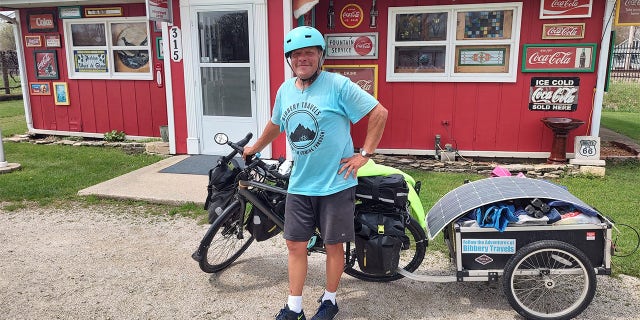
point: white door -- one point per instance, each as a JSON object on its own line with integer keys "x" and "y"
{"x": 226, "y": 75}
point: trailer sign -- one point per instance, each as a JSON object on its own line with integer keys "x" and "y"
{"x": 489, "y": 246}
{"x": 554, "y": 93}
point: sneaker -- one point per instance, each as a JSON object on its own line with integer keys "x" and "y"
{"x": 286, "y": 314}
{"x": 326, "y": 311}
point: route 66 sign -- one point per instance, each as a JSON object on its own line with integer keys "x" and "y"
{"x": 587, "y": 147}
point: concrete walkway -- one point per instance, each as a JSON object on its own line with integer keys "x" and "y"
{"x": 610, "y": 135}
{"x": 148, "y": 184}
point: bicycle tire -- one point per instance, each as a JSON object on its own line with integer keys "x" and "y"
{"x": 229, "y": 239}
{"x": 214, "y": 204}
{"x": 410, "y": 259}
{"x": 549, "y": 279}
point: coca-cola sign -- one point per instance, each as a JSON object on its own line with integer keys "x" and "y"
{"x": 554, "y": 94}
{"x": 557, "y": 9}
{"x": 41, "y": 22}
{"x": 365, "y": 76}
{"x": 628, "y": 12}
{"x": 352, "y": 46}
{"x": 559, "y": 58}
{"x": 563, "y": 31}
{"x": 351, "y": 15}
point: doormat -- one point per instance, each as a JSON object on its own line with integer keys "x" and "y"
{"x": 196, "y": 164}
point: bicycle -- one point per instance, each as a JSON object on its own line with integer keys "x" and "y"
{"x": 235, "y": 191}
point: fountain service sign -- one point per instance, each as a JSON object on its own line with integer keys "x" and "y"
{"x": 554, "y": 93}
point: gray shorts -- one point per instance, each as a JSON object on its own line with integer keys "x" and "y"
{"x": 332, "y": 215}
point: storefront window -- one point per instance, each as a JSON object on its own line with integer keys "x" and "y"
{"x": 117, "y": 48}
{"x": 457, "y": 43}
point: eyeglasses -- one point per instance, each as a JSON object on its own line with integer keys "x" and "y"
{"x": 304, "y": 53}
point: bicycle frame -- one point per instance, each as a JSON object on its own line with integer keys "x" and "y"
{"x": 243, "y": 190}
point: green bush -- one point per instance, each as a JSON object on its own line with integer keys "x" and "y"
{"x": 114, "y": 136}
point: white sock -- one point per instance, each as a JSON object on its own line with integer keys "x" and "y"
{"x": 329, "y": 296}
{"x": 295, "y": 303}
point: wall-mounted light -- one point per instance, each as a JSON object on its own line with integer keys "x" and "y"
{"x": 373, "y": 23}
{"x": 331, "y": 16}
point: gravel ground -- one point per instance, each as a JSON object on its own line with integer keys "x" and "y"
{"x": 115, "y": 262}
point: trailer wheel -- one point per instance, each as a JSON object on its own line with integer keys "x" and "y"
{"x": 549, "y": 279}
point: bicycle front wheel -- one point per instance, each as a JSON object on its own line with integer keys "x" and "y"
{"x": 410, "y": 258}
{"x": 549, "y": 279}
{"x": 229, "y": 239}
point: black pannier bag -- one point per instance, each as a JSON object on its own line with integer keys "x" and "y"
{"x": 260, "y": 226}
{"x": 391, "y": 189}
{"x": 221, "y": 177}
{"x": 380, "y": 235}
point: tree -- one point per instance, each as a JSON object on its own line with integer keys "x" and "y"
{"x": 7, "y": 41}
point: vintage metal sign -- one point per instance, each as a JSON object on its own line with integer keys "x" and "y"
{"x": 628, "y": 13}
{"x": 90, "y": 60}
{"x": 560, "y": 9}
{"x": 160, "y": 10}
{"x": 563, "y": 31}
{"x": 365, "y": 76}
{"x": 554, "y": 93}
{"x": 41, "y": 22}
{"x": 352, "y": 46}
{"x": 579, "y": 57}
{"x": 351, "y": 15}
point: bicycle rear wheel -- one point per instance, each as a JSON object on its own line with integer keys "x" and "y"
{"x": 227, "y": 241}
{"x": 410, "y": 258}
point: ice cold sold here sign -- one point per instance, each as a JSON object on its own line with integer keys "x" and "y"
{"x": 554, "y": 93}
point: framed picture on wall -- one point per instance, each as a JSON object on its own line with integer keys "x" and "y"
{"x": 364, "y": 75}
{"x": 39, "y": 88}
{"x": 61, "y": 93}
{"x": 46, "y": 64}
{"x": 41, "y": 22}
{"x": 33, "y": 41}
{"x": 52, "y": 40}
{"x": 159, "y": 48}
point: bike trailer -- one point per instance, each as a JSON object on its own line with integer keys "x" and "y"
{"x": 512, "y": 229}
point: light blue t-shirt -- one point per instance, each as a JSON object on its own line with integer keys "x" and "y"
{"x": 317, "y": 122}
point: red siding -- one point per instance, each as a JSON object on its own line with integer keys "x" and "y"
{"x": 482, "y": 116}
{"x": 98, "y": 106}
{"x": 276, "y": 62}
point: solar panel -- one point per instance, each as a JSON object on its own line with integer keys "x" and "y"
{"x": 490, "y": 190}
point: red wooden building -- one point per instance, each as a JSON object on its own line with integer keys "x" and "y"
{"x": 478, "y": 74}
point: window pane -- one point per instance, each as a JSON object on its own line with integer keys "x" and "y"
{"x": 224, "y": 36}
{"x": 129, "y": 34}
{"x": 88, "y": 34}
{"x": 131, "y": 60}
{"x": 490, "y": 25}
{"x": 226, "y": 92}
{"x": 421, "y": 27}
{"x": 420, "y": 59}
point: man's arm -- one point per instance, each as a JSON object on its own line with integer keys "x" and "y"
{"x": 377, "y": 118}
{"x": 375, "y": 127}
{"x": 270, "y": 133}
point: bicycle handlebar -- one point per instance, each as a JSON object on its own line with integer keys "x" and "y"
{"x": 238, "y": 147}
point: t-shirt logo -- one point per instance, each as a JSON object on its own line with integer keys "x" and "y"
{"x": 307, "y": 136}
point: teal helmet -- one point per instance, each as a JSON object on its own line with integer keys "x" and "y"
{"x": 302, "y": 37}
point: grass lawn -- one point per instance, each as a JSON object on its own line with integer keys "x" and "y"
{"x": 626, "y": 123}
{"x": 12, "y": 118}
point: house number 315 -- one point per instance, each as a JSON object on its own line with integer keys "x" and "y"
{"x": 175, "y": 44}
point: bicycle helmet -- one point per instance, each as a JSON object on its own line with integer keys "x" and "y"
{"x": 302, "y": 37}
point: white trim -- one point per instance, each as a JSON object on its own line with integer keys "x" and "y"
{"x": 261, "y": 66}
{"x": 287, "y": 14}
{"x": 17, "y": 34}
{"x": 82, "y": 134}
{"x": 194, "y": 121}
{"x": 168, "y": 89}
{"x": 602, "y": 68}
{"x": 451, "y": 42}
{"x": 480, "y": 154}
